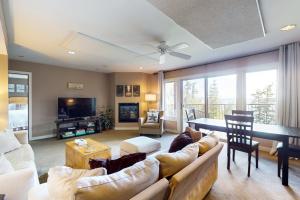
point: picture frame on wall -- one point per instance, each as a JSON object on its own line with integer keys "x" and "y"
{"x": 128, "y": 90}
{"x": 120, "y": 90}
{"x": 136, "y": 90}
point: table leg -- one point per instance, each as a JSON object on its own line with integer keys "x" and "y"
{"x": 285, "y": 162}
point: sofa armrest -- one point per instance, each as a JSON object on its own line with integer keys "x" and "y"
{"x": 141, "y": 121}
{"x": 22, "y": 137}
{"x": 157, "y": 191}
{"x": 15, "y": 185}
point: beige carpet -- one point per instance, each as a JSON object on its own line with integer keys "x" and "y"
{"x": 262, "y": 185}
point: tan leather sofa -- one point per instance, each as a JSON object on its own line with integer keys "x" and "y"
{"x": 151, "y": 128}
{"x": 191, "y": 183}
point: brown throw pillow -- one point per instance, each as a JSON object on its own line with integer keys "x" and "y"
{"x": 180, "y": 142}
{"x": 116, "y": 165}
{"x": 195, "y": 135}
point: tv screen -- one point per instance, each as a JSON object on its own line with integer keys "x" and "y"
{"x": 76, "y": 107}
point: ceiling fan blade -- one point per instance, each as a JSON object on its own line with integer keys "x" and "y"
{"x": 162, "y": 59}
{"x": 180, "y": 55}
{"x": 179, "y": 46}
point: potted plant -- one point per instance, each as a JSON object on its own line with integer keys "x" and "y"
{"x": 106, "y": 118}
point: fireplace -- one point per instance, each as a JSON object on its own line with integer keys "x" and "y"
{"x": 128, "y": 112}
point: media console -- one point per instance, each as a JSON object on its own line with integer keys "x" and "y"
{"x": 77, "y": 127}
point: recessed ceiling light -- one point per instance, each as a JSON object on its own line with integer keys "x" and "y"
{"x": 288, "y": 27}
{"x": 71, "y": 52}
{"x": 141, "y": 68}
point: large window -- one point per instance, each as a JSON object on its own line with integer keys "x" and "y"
{"x": 221, "y": 96}
{"x": 170, "y": 100}
{"x": 261, "y": 95}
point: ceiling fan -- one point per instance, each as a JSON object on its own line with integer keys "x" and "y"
{"x": 163, "y": 49}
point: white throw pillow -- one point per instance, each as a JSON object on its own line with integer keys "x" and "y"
{"x": 5, "y": 165}
{"x": 61, "y": 181}
{"x": 120, "y": 185}
{"x": 8, "y": 141}
{"x": 171, "y": 163}
{"x": 152, "y": 117}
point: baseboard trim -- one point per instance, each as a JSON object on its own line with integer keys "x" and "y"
{"x": 43, "y": 137}
{"x": 126, "y": 128}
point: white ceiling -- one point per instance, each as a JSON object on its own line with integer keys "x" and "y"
{"x": 111, "y": 35}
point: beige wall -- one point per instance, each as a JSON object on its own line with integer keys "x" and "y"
{"x": 3, "y": 73}
{"x": 3, "y": 91}
{"x": 146, "y": 82}
{"x": 50, "y": 82}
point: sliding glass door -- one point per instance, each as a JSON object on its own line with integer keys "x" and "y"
{"x": 193, "y": 97}
{"x": 221, "y": 96}
{"x": 19, "y": 102}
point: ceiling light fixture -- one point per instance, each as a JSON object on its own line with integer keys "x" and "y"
{"x": 141, "y": 68}
{"x": 288, "y": 27}
{"x": 71, "y": 52}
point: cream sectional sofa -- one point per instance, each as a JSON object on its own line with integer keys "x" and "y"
{"x": 15, "y": 185}
{"x": 192, "y": 182}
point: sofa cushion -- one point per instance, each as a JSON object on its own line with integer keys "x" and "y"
{"x": 206, "y": 143}
{"x": 180, "y": 142}
{"x": 140, "y": 144}
{"x": 195, "y": 135}
{"x": 39, "y": 192}
{"x": 8, "y": 141}
{"x": 15, "y": 185}
{"x": 120, "y": 185}
{"x": 150, "y": 125}
{"x": 116, "y": 165}
{"x": 5, "y": 166}
{"x": 22, "y": 157}
{"x": 62, "y": 181}
{"x": 171, "y": 163}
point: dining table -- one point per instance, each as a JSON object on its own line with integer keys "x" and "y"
{"x": 265, "y": 131}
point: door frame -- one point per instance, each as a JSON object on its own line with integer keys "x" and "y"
{"x": 29, "y": 101}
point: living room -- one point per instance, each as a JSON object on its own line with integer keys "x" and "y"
{"x": 145, "y": 99}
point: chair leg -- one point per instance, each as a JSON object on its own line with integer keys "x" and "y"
{"x": 233, "y": 155}
{"x": 249, "y": 163}
{"x": 279, "y": 165}
{"x": 256, "y": 155}
{"x": 228, "y": 158}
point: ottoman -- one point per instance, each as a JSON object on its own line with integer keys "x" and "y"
{"x": 139, "y": 144}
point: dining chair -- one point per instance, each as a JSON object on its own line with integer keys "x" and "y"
{"x": 242, "y": 112}
{"x": 190, "y": 115}
{"x": 293, "y": 151}
{"x": 240, "y": 137}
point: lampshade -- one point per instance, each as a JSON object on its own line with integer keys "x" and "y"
{"x": 150, "y": 97}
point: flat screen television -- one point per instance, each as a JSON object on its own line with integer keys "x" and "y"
{"x": 76, "y": 107}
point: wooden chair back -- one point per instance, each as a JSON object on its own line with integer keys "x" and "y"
{"x": 243, "y": 112}
{"x": 239, "y": 130}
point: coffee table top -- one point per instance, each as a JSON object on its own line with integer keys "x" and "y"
{"x": 91, "y": 147}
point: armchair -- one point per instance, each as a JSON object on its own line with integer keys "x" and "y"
{"x": 151, "y": 128}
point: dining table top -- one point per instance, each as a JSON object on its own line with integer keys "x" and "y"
{"x": 279, "y": 130}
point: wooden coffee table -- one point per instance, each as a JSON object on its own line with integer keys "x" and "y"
{"x": 78, "y": 156}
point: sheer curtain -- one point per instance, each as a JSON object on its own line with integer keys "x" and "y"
{"x": 288, "y": 86}
{"x": 161, "y": 90}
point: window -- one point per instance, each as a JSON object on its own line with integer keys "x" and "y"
{"x": 261, "y": 95}
{"x": 11, "y": 87}
{"x": 170, "y": 99}
{"x": 20, "y": 88}
{"x": 221, "y": 96}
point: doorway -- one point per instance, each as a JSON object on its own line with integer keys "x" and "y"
{"x": 19, "y": 108}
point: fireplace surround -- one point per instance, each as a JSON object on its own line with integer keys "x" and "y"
{"x": 128, "y": 112}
